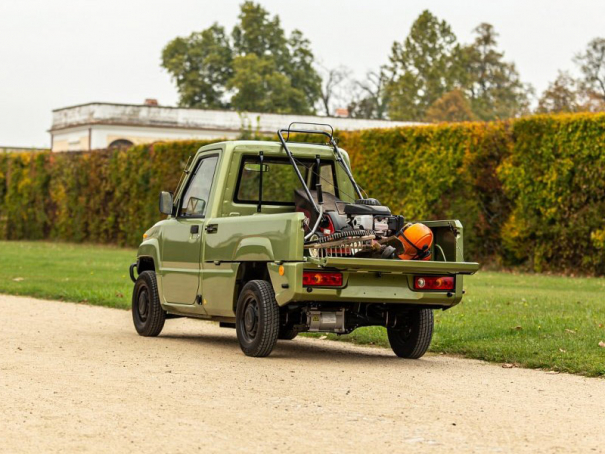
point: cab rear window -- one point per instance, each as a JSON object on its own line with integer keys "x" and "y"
{"x": 280, "y": 180}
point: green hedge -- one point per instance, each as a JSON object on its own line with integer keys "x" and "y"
{"x": 556, "y": 176}
{"x": 528, "y": 191}
{"x": 101, "y": 197}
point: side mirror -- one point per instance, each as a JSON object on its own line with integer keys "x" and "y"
{"x": 166, "y": 203}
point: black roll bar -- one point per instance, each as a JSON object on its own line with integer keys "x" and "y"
{"x": 330, "y": 136}
{"x": 312, "y": 131}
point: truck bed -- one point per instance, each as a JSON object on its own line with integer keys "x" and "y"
{"x": 352, "y": 264}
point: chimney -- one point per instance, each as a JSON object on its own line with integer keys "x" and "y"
{"x": 342, "y": 112}
{"x": 151, "y": 102}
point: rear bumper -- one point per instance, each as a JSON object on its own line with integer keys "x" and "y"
{"x": 370, "y": 281}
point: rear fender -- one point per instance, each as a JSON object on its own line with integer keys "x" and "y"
{"x": 260, "y": 237}
{"x": 257, "y": 249}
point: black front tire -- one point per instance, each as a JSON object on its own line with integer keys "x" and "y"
{"x": 147, "y": 313}
{"x": 257, "y": 319}
{"x": 413, "y": 339}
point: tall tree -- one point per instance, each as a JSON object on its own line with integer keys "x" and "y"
{"x": 451, "y": 107}
{"x": 493, "y": 85}
{"x": 560, "y": 96}
{"x": 592, "y": 66}
{"x": 299, "y": 67}
{"x": 255, "y": 68}
{"x": 258, "y": 33}
{"x": 260, "y": 87}
{"x": 423, "y": 68}
{"x": 201, "y": 65}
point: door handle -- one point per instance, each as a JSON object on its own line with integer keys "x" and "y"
{"x": 212, "y": 228}
{"x": 195, "y": 229}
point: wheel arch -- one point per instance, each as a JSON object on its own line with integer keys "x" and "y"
{"x": 148, "y": 258}
{"x": 246, "y": 272}
{"x": 146, "y": 263}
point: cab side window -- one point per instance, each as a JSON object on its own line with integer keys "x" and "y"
{"x": 196, "y": 197}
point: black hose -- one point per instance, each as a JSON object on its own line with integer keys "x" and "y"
{"x": 344, "y": 234}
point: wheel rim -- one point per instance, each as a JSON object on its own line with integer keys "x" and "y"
{"x": 405, "y": 332}
{"x": 250, "y": 319}
{"x": 143, "y": 304}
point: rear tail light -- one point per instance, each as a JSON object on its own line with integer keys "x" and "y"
{"x": 434, "y": 283}
{"x": 321, "y": 279}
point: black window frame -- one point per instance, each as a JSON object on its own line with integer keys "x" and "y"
{"x": 188, "y": 183}
{"x": 253, "y": 158}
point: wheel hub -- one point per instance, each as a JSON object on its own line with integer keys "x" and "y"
{"x": 143, "y": 304}
{"x": 250, "y": 319}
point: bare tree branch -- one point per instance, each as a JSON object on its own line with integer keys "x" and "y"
{"x": 332, "y": 82}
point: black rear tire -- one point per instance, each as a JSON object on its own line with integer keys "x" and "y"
{"x": 147, "y": 313}
{"x": 257, "y": 319}
{"x": 287, "y": 333}
{"x": 413, "y": 339}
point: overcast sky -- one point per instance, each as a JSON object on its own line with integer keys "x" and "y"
{"x": 57, "y": 53}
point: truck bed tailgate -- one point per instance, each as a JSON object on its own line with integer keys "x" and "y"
{"x": 398, "y": 266}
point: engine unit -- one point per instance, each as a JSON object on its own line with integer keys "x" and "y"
{"x": 326, "y": 321}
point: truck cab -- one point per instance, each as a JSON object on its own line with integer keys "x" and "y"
{"x": 277, "y": 238}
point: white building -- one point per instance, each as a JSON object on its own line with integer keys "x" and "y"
{"x": 102, "y": 125}
{"x": 4, "y": 149}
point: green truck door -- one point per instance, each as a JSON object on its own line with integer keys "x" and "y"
{"x": 182, "y": 239}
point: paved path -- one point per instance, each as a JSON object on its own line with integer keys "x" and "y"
{"x": 77, "y": 378}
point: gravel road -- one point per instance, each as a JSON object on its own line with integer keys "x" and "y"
{"x": 77, "y": 378}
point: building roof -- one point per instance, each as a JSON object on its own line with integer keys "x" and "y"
{"x": 97, "y": 113}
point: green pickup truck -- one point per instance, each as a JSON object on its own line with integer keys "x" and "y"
{"x": 276, "y": 238}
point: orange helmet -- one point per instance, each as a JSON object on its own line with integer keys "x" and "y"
{"x": 417, "y": 240}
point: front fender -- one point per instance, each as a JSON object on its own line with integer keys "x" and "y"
{"x": 150, "y": 248}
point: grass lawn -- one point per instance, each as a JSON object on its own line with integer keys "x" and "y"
{"x": 529, "y": 320}
{"x": 535, "y": 321}
{"x": 71, "y": 272}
